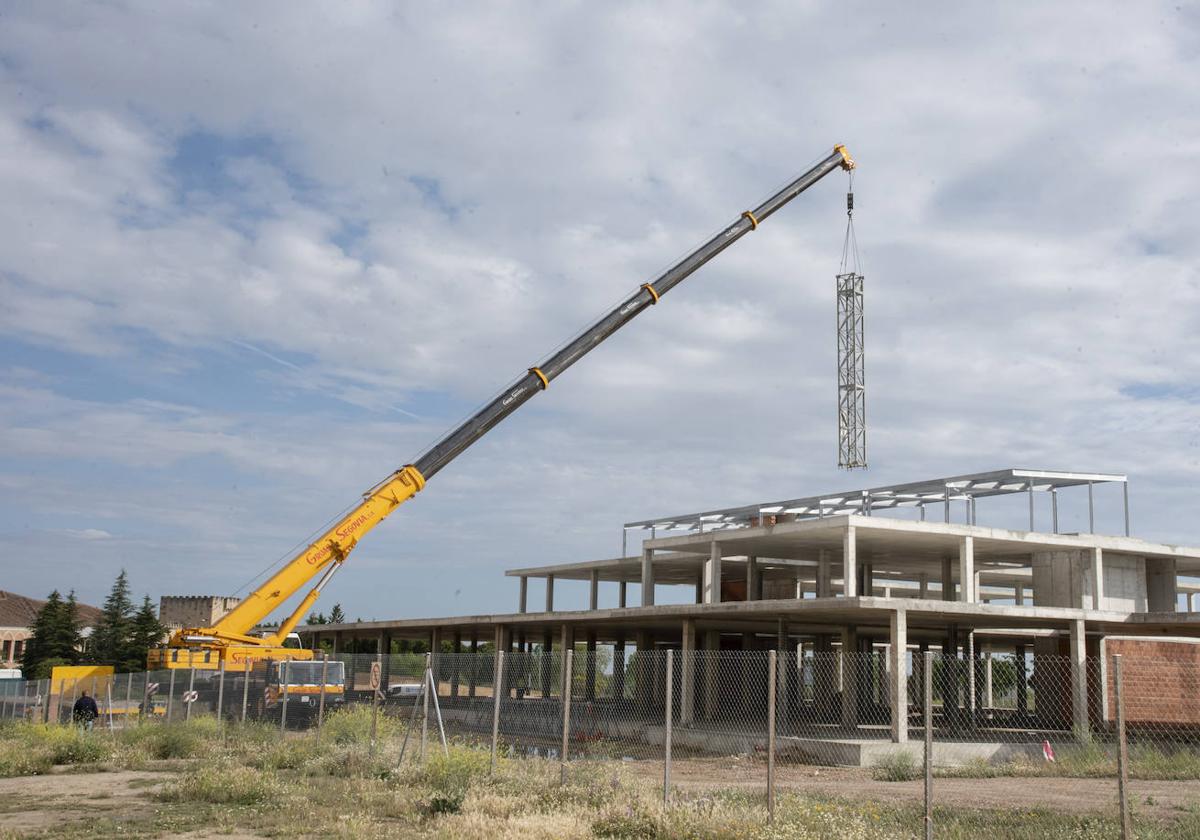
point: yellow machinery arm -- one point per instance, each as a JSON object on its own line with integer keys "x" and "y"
{"x": 229, "y": 636}
{"x": 326, "y": 553}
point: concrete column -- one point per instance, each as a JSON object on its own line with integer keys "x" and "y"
{"x": 849, "y": 563}
{"x": 700, "y": 584}
{"x": 499, "y": 640}
{"x": 1022, "y": 682}
{"x": 1079, "y": 696}
{"x": 947, "y": 579}
{"x": 798, "y": 582}
{"x": 594, "y": 590}
{"x": 435, "y": 650}
{"x": 646, "y": 669}
{"x": 567, "y": 637}
{"x": 924, "y": 583}
{"x": 456, "y": 670}
{"x": 784, "y": 667}
{"x": 547, "y": 655}
{"x": 966, "y": 569}
{"x": 523, "y": 598}
{"x": 549, "y": 593}
{"x": 712, "y": 575}
{"x": 898, "y": 676}
{"x": 687, "y": 674}
{"x": 589, "y": 673}
{"x": 337, "y": 642}
{"x": 622, "y": 593}
{"x": 712, "y": 644}
{"x": 851, "y": 669}
{"x": 824, "y": 574}
{"x": 472, "y": 676}
{"x": 753, "y": 584}
{"x": 1019, "y": 595}
{"x": 1097, "y": 579}
{"x": 1191, "y": 602}
{"x": 618, "y": 689}
{"x": 647, "y": 577}
{"x": 989, "y": 698}
{"x": 866, "y": 571}
{"x": 1162, "y": 593}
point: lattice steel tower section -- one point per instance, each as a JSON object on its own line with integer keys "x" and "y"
{"x": 852, "y": 380}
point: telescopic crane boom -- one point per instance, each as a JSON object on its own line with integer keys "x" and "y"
{"x": 229, "y": 638}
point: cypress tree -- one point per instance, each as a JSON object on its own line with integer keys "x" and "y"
{"x": 109, "y": 644}
{"x": 38, "y": 643}
{"x": 146, "y": 632}
{"x": 336, "y": 616}
{"x": 65, "y": 638}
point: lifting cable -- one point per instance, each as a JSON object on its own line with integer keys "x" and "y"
{"x": 851, "y": 263}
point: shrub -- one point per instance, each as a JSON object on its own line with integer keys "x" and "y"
{"x": 182, "y": 739}
{"x": 353, "y": 726}
{"x": 222, "y": 783}
{"x": 897, "y": 766}
{"x": 20, "y": 759}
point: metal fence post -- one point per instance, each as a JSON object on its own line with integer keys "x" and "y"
{"x": 321, "y": 702}
{"x": 497, "y": 692}
{"x": 928, "y": 680}
{"x": 668, "y": 726}
{"x": 108, "y": 694}
{"x": 1122, "y": 751}
{"x": 286, "y": 670}
{"x": 128, "y": 699}
{"x": 245, "y": 688}
{"x": 170, "y": 694}
{"x": 568, "y": 685}
{"x": 147, "y": 703}
{"x": 187, "y": 706}
{"x": 375, "y": 700}
{"x": 425, "y": 705}
{"x": 221, "y": 695}
{"x": 772, "y": 665}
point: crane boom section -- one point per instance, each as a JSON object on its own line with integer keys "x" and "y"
{"x": 330, "y": 547}
{"x": 333, "y": 546}
{"x": 539, "y": 378}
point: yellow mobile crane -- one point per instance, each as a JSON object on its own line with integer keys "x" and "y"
{"x": 229, "y": 639}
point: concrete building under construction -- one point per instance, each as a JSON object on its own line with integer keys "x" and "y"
{"x": 887, "y": 572}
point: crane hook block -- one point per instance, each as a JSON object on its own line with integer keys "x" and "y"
{"x": 849, "y": 202}
{"x": 847, "y": 161}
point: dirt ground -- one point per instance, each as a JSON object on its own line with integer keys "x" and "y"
{"x": 1077, "y": 796}
{"x": 55, "y": 801}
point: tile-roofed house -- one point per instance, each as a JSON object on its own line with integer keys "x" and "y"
{"x": 17, "y": 613}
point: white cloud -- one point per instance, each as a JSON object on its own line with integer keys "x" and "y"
{"x": 1026, "y": 202}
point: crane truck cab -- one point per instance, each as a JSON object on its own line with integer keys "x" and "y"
{"x": 298, "y": 685}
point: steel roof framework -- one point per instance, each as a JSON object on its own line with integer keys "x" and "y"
{"x": 918, "y": 494}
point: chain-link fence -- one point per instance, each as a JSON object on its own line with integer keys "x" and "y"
{"x": 756, "y": 719}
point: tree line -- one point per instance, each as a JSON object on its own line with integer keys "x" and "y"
{"x": 121, "y": 637}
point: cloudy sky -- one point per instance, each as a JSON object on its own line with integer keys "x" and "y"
{"x": 253, "y": 258}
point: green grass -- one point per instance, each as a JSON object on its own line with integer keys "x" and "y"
{"x": 1088, "y": 761}
{"x": 249, "y": 779}
{"x": 898, "y": 766}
